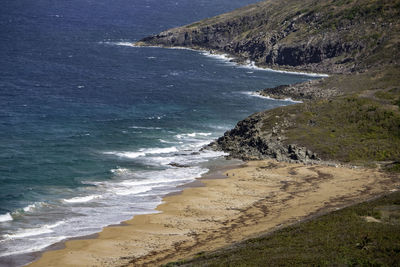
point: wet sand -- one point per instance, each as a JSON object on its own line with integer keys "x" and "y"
{"x": 255, "y": 199}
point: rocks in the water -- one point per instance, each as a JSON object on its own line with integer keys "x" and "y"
{"x": 178, "y": 165}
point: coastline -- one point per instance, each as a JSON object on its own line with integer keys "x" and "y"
{"x": 216, "y": 171}
{"x": 33, "y": 256}
{"x": 255, "y": 199}
{"x": 226, "y": 57}
{"x": 260, "y": 197}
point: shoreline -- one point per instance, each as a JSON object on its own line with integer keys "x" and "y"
{"x": 223, "y": 56}
{"x": 34, "y": 256}
{"x": 257, "y": 198}
{"x": 260, "y": 95}
{"x": 215, "y": 172}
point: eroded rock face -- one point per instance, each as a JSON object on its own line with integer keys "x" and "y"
{"x": 267, "y": 50}
{"x": 247, "y": 37}
{"x": 251, "y": 139}
{"x": 307, "y": 35}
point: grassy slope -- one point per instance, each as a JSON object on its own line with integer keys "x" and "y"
{"x": 363, "y": 126}
{"x": 341, "y": 238}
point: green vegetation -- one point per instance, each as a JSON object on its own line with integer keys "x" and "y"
{"x": 349, "y": 129}
{"x": 361, "y": 127}
{"x": 397, "y": 102}
{"x": 366, "y": 234}
{"x": 393, "y": 167}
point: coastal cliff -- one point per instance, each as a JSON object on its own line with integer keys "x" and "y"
{"x": 351, "y": 116}
{"x": 318, "y": 36}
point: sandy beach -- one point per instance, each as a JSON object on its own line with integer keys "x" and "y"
{"x": 257, "y": 198}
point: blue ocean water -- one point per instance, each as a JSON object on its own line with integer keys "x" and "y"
{"x": 89, "y": 125}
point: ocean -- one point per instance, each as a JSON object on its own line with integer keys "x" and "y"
{"x": 91, "y": 127}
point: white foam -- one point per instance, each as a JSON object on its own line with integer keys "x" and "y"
{"x": 251, "y": 65}
{"x": 29, "y": 208}
{"x": 150, "y": 180}
{"x": 181, "y": 136}
{"x": 81, "y": 199}
{"x": 119, "y": 43}
{"x": 45, "y": 229}
{"x": 118, "y": 197}
{"x": 6, "y": 217}
{"x": 218, "y": 56}
{"x": 174, "y": 175}
{"x": 28, "y": 232}
{"x": 133, "y": 190}
{"x": 224, "y": 57}
{"x": 197, "y": 144}
{"x": 248, "y": 65}
{"x": 40, "y": 244}
{"x": 155, "y": 117}
{"x": 257, "y": 94}
{"x": 32, "y": 207}
{"x": 166, "y": 142}
{"x": 186, "y": 158}
{"x": 160, "y": 150}
{"x": 130, "y": 155}
{"x": 121, "y": 171}
{"x": 142, "y": 152}
{"x": 158, "y": 161}
{"x": 146, "y": 128}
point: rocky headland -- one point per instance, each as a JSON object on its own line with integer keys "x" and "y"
{"x": 249, "y": 140}
{"x": 351, "y": 116}
{"x": 317, "y": 36}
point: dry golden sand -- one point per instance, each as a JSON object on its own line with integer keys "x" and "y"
{"x": 257, "y": 198}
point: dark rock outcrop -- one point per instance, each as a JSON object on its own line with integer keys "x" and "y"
{"x": 301, "y": 91}
{"x": 251, "y": 139}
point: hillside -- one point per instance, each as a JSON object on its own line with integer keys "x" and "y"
{"x": 361, "y": 126}
{"x": 366, "y": 234}
{"x": 352, "y": 116}
{"x": 333, "y": 36}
